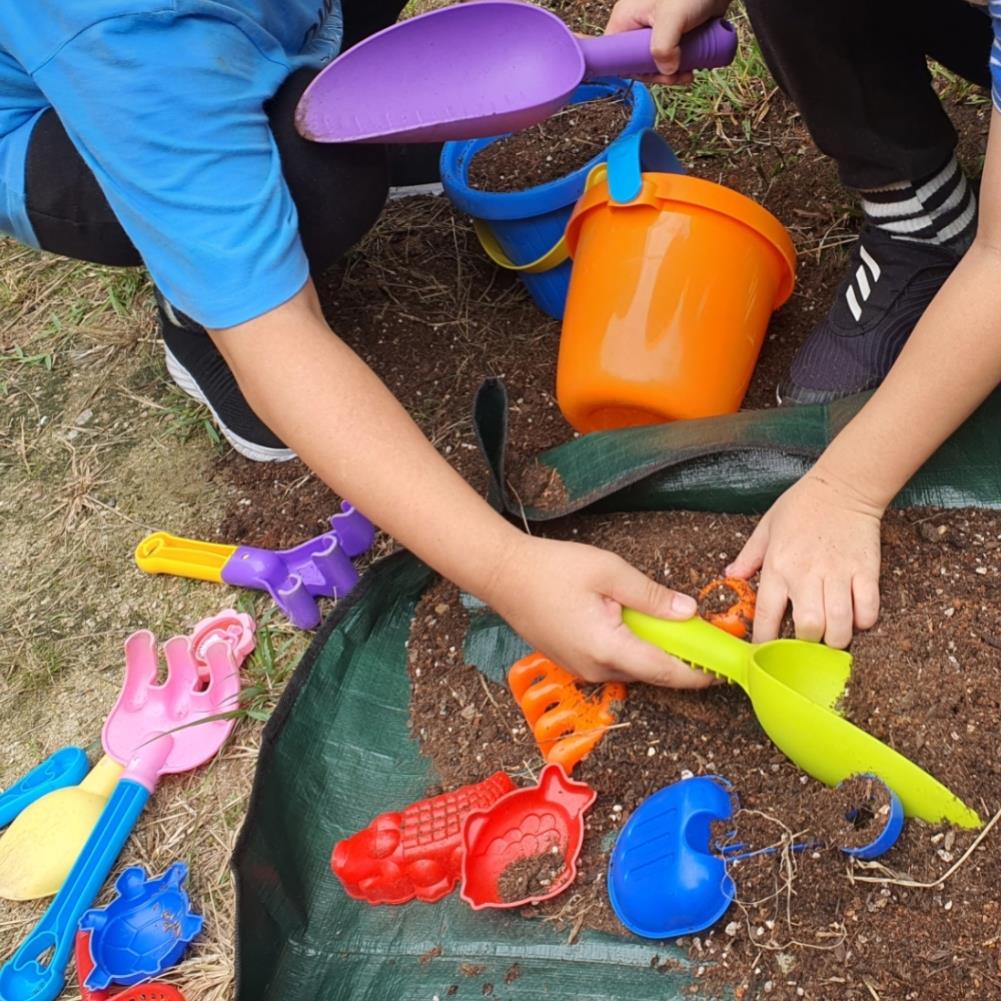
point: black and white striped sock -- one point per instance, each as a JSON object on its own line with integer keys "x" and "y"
{"x": 940, "y": 209}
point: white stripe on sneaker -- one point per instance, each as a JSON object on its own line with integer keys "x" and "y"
{"x": 853, "y": 305}
{"x": 248, "y": 449}
{"x": 863, "y": 282}
{"x": 873, "y": 266}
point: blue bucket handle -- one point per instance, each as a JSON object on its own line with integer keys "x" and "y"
{"x": 633, "y": 155}
{"x": 627, "y": 159}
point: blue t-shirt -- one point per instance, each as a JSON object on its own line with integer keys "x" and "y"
{"x": 165, "y": 102}
{"x": 995, "y": 10}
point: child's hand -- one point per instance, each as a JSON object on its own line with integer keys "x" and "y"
{"x": 817, "y": 547}
{"x": 669, "y": 19}
{"x": 566, "y": 600}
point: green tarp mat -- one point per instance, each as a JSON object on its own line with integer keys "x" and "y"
{"x": 736, "y": 464}
{"x": 337, "y": 750}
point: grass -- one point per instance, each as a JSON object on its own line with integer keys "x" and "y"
{"x": 740, "y": 92}
{"x": 270, "y": 665}
{"x": 96, "y": 451}
{"x": 187, "y": 418}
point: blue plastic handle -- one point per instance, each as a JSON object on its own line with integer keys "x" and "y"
{"x": 37, "y": 971}
{"x": 633, "y": 154}
{"x": 890, "y": 832}
{"x": 64, "y": 768}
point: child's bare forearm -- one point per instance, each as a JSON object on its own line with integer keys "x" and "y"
{"x": 324, "y": 402}
{"x": 951, "y": 362}
{"x": 564, "y": 599}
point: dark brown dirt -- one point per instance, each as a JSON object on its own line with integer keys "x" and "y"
{"x": 531, "y": 877}
{"x": 855, "y": 814}
{"x": 537, "y": 485}
{"x": 433, "y": 953}
{"x": 851, "y": 816}
{"x": 927, "y": 680}
{"x": 552, "y": 149}
{"x": 273, "y": 505}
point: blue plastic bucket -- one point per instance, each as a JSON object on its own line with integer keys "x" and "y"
{"x": 527, "y": 224}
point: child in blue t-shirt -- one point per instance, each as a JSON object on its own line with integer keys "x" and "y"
{"x": 923, "y": 283}
{"x": 162, "y": 133}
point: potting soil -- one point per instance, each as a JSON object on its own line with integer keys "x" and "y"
{"x": 551, "y": 150}
{"x": 926, "y": 680}
{"x": 532, "y": 876}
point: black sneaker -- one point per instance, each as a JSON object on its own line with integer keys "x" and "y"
{"x": 196, "y": 365}
{"x": 889, "y": 286}
{"x": 414, "y": 170}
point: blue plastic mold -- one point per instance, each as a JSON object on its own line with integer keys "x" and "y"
{"x": 890, "y": 831}
{"x": 143, "y": 931}
{"x": 663, "y": 878}
{"x": 529, "y": 223}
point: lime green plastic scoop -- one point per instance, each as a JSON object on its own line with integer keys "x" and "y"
{"x": 794, "y": 687}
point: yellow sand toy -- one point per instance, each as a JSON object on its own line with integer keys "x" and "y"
{"x": 794, "y": 687}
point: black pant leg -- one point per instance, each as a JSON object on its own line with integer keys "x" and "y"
{"x": 858, "y": 73}
{"x": 365, "y": 17}
{"x": 66, "y": 206}
{"x": 964, "y": 46}
{"x": 339, "y": 190}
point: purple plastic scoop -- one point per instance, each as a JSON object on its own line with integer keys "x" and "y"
{"x": 477, "y": 69}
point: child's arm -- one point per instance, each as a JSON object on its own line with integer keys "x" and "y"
{"x": 564, "y": 599}
{"x": 669, "y": 19}
{"x": 818, "y": 546}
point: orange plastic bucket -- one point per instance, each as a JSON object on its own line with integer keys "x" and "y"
{"x": 669, "y": 301}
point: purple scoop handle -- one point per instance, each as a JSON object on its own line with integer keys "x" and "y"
{"x": 628, "y": 53}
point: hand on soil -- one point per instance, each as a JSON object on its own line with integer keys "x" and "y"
{"x": 566, "y": 600}
{"x": 669, "y": 19}
{"x": 818, "y": 548}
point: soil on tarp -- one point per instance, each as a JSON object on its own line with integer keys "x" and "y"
{"x": 926, "y": 679}
{"x": 552, "y": 149}
{"x": 537, "y": 485}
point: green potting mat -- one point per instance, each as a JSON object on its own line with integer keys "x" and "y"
{"x": 337, "y": 751}
{"x": 340, "y": 758}
{"x": 737, "y": 464}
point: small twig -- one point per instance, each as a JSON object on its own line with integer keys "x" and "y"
{"x": 521, "y": 507}
{"x": 915, "y": 884}
{"x": 600, "y": 729}
{"x": 577, "y": 925}
{"x": 871, "y": 989}
{"x": 487, "y": 692}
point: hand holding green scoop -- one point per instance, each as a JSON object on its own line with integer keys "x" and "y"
{"x": 793, "y": 687}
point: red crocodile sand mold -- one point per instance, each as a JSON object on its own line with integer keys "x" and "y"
{"x": 414, "y": 854}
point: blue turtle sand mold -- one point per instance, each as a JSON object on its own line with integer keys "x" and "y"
{"x": 143, "y": 931}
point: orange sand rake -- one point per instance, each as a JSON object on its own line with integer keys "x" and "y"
{"x": 568, "y": 724}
